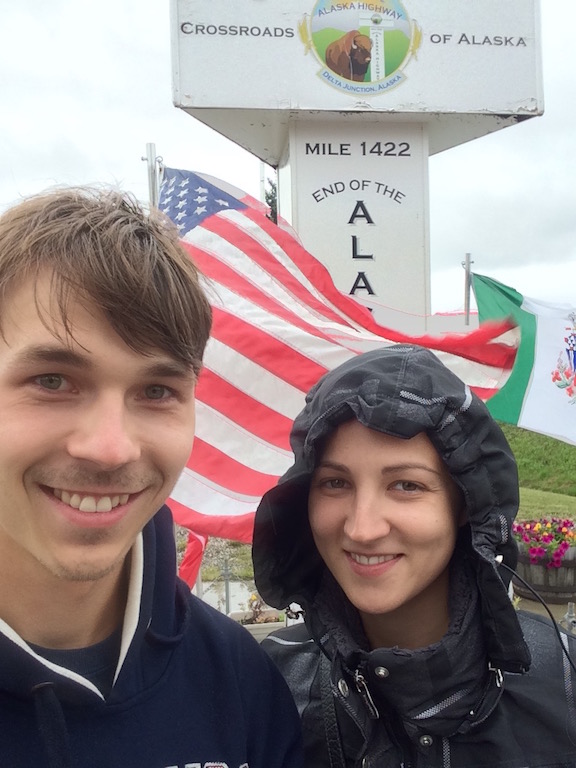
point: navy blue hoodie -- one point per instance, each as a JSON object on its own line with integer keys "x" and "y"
{"x": 192, "y": 687}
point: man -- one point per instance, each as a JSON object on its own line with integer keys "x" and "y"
{"x": 106, "y": 660}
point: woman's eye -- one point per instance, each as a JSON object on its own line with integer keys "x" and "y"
{"x": 407, "y": 485}
{"x": 52, "y": 381}
{"x": 335, "y": 483}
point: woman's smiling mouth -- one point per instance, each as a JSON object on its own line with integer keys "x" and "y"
{"x": 372, "y": 559}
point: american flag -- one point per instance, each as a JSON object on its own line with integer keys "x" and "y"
{"x": 279, "y": 324}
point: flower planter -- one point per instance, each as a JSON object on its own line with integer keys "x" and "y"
{"x": 260, "y": 629}
{"x": 554, "y": 585}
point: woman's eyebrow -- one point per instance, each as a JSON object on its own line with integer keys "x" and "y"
{"x": 409, "y": 465}
{"x": 330, "y": 464}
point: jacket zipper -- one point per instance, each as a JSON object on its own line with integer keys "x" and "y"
{"x": 362, "y": 688}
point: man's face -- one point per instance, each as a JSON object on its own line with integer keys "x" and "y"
{"x": 93, "y": 438}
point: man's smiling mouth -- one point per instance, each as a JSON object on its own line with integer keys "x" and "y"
{"x": 90, "y": 503}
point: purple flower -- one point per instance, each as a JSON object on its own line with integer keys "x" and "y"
{"x": 546, "y": 540}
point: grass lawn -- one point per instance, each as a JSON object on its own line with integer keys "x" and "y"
{"x": 535, "y": 504}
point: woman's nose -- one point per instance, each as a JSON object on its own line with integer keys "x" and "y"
{"x": 367, "y": 519}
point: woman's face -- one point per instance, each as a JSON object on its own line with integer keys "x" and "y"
{"x": 383, "y": 513}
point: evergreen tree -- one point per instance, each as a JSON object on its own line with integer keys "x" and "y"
{"x": 271, "y": 200}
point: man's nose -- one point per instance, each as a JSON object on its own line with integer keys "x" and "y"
{"x": 104, "y": 433}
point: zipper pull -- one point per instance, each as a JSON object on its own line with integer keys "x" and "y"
{"x": 362, "y": 688}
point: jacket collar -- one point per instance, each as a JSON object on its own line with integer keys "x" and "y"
{"x": 151, "y": 608}
{"x": 442, "y": 689}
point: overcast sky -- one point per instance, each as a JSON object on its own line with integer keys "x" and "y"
{"x": 86, "y": 85}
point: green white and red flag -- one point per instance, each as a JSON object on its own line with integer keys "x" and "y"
{"x": 540, "y": 394}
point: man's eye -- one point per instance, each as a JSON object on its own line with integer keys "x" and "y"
{"x": 51, "y": 381}
{"x": 157, "y": 392}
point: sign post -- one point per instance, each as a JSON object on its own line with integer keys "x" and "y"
{"x": 348, "y": 100}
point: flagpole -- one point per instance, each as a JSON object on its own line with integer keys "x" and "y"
{"x": 152, "y": 162}
{"x": 262, "y": 181}
{"x": 467, "y": 284}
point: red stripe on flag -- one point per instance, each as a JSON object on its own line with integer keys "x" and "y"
{"x": 225, "y": 228}
{"x": 235, "y": 527}
{"x": 484, "y": 393}
{"x": 247, "y": 412}
{"x": 266, "y": 350}
{"x": 192, "y": 560}
{"x": 220, "y": 468}
{"x": 478, "y": 345}
{"x": 222, "y": 274}
{"x": 318, "y": 275}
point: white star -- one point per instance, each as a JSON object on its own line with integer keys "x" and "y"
{"x": 200, "y": 209}
{"x": 223, "y": 202}
{"x": 202, "y": 190}
{"x": 200, "y": 199}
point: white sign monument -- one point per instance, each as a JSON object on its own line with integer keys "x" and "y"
{"x": 348, "y": 100}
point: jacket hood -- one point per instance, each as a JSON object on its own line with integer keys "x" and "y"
{"x": 400, "y": 391}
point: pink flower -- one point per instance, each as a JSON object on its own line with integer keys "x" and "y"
{"x": 545, "y": 541}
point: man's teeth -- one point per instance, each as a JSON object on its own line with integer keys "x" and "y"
{"x": 90, "y": 503}
{"x": 374, "y": 560}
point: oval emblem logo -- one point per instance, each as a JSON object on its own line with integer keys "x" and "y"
{"x": 362, "y": 47}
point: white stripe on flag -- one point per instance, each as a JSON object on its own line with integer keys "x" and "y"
{"x": 245, "y": 447}
{"x": 196, "y": 492}
{"x": 222, "y": 296}
{"x": 312, "y": 345}
{"x": 278, "y": 254}
{"x": 253, "y": 379}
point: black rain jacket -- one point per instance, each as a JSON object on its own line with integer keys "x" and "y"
{"x": 497, "y": 690}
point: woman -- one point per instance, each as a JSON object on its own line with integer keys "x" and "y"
{"x": 392, "y": 530}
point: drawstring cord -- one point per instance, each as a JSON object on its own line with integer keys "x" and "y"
{"x": 52, "y": 726}
{"x": 548, "y": 611}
